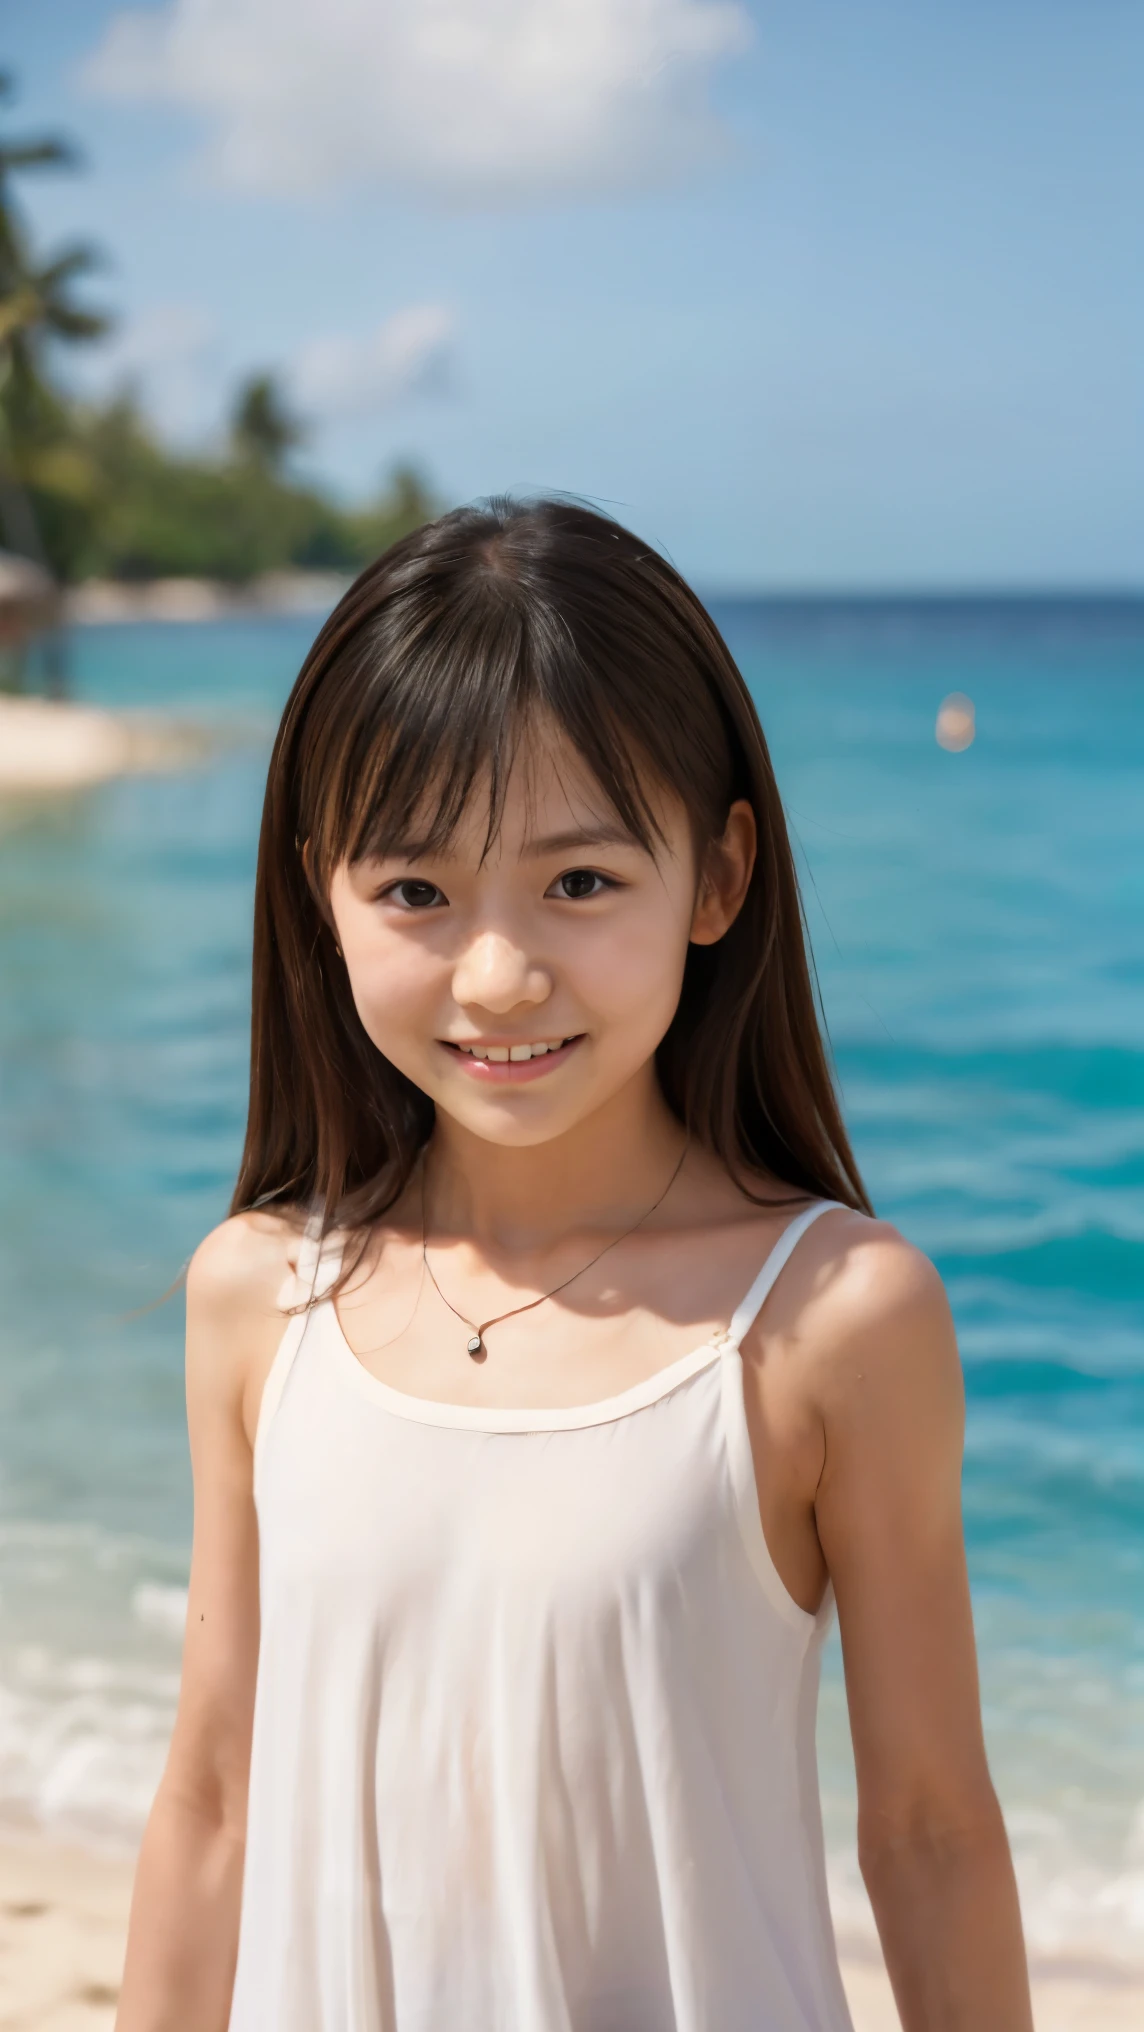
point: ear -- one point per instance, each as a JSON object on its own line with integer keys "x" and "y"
{"x": 725, "y": 876}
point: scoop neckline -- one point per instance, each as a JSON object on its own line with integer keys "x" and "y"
{"x": 520, "y": 1418}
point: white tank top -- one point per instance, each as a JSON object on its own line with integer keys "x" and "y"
{"x": 534, "y": 1724}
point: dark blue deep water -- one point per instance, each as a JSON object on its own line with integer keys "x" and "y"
{"x": 978, "y": 925}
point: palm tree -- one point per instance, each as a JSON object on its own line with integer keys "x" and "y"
{"x": 37, "y": 308}
{"x": 263, "y": 428}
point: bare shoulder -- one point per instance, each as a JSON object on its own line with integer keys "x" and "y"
{"x": 243, "y": 1263}
{"x": 234, "y": 1284}
{"x": 864, "y": 1312}
{"x": 865, "y": 1270}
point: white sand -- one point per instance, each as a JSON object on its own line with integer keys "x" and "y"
{"x": 63, "y": 1917}
{"x": 50, "y": 745}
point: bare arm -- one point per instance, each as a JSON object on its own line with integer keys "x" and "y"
{"x": 183, "y": 1934}
{"x": 932, "y": 1843}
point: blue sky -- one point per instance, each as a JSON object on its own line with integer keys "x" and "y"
{"x": 811, "y": 293}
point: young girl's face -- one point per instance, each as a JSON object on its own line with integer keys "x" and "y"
{"x": 523, "y": 989}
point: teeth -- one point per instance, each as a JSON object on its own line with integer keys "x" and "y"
{"x": 518, "y": 1053}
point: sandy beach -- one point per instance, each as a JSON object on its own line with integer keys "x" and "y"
{"x": 49, "y": 745}
{"x": 63, "y": 1918}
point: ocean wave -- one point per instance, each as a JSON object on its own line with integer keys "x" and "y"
{"x": 83, "y": 1741}
{"x": 82, "y": 1746}
{"x": 1093, "y": 1260}
{"x": 1073, "y": 1912}
{"x": 160, "y": 1608}
{"x": 1067, "y": 1073}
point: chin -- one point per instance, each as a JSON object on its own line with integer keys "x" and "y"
{"x": 515, "y": 1128}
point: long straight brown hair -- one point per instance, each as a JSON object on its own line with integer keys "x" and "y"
{"x": 414, "y": 700}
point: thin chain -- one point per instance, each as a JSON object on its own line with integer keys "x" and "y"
{"x": 476, "y": 1344}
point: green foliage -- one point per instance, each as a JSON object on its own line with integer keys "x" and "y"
{"x": 91, "y": 492}
{"x": 37, "y": 308}
{"x": 262, "y": 427}
{"x": 111, "y": 502}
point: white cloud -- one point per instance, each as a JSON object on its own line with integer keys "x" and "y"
{"x": 167, "y": 354}
{"x": 338, "y": 376}
{"x": 166, "y": 336}
{"x": 466, "y": 100}
{"x": 170, "y": 354}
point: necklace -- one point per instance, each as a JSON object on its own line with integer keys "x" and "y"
{"x": 475, "y": 1345}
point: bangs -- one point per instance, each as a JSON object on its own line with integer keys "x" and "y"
{"x": 439, "y": 707}
{"x": 503, "y": 636}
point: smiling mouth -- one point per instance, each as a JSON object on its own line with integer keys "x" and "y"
{"x": 513, "y": 1061}
{"x": 512, "y": 1054}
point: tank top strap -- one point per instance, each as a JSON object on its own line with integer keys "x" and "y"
{"x": 317, "y": 1265}
{"x": 747, "y": 1313}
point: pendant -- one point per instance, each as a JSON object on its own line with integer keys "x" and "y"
{"x": 476, "y": 1348}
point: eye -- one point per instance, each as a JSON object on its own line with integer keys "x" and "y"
{"x": 578, "y": 883}
{"x": 413, "y": 895}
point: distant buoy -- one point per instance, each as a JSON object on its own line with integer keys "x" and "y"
{"x": 956, "y": 724}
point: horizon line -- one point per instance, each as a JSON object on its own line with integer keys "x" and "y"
{"x": 965, "y": 591}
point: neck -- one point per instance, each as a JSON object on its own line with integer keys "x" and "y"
{"x": 599, "y": 1175}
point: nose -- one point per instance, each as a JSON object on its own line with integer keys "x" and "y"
{"x": 494, "y": 973}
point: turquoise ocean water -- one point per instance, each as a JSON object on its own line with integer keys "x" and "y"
{"x": 978, "y": 922}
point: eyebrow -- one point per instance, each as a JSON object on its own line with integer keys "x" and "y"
{"x": 602, "y": 835}
{"x": 584, "y": 836}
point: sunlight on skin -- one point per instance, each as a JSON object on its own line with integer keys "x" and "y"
{"x": 568, "y": 934}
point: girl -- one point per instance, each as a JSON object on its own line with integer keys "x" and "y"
{"x": 551, "y": 1377}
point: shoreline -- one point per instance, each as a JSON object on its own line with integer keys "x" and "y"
{"x": 112, "y": 602}
{"x": 49, "y": 745}
{"x": 54, "y": 745}
{"x": 63, "y": 1922}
